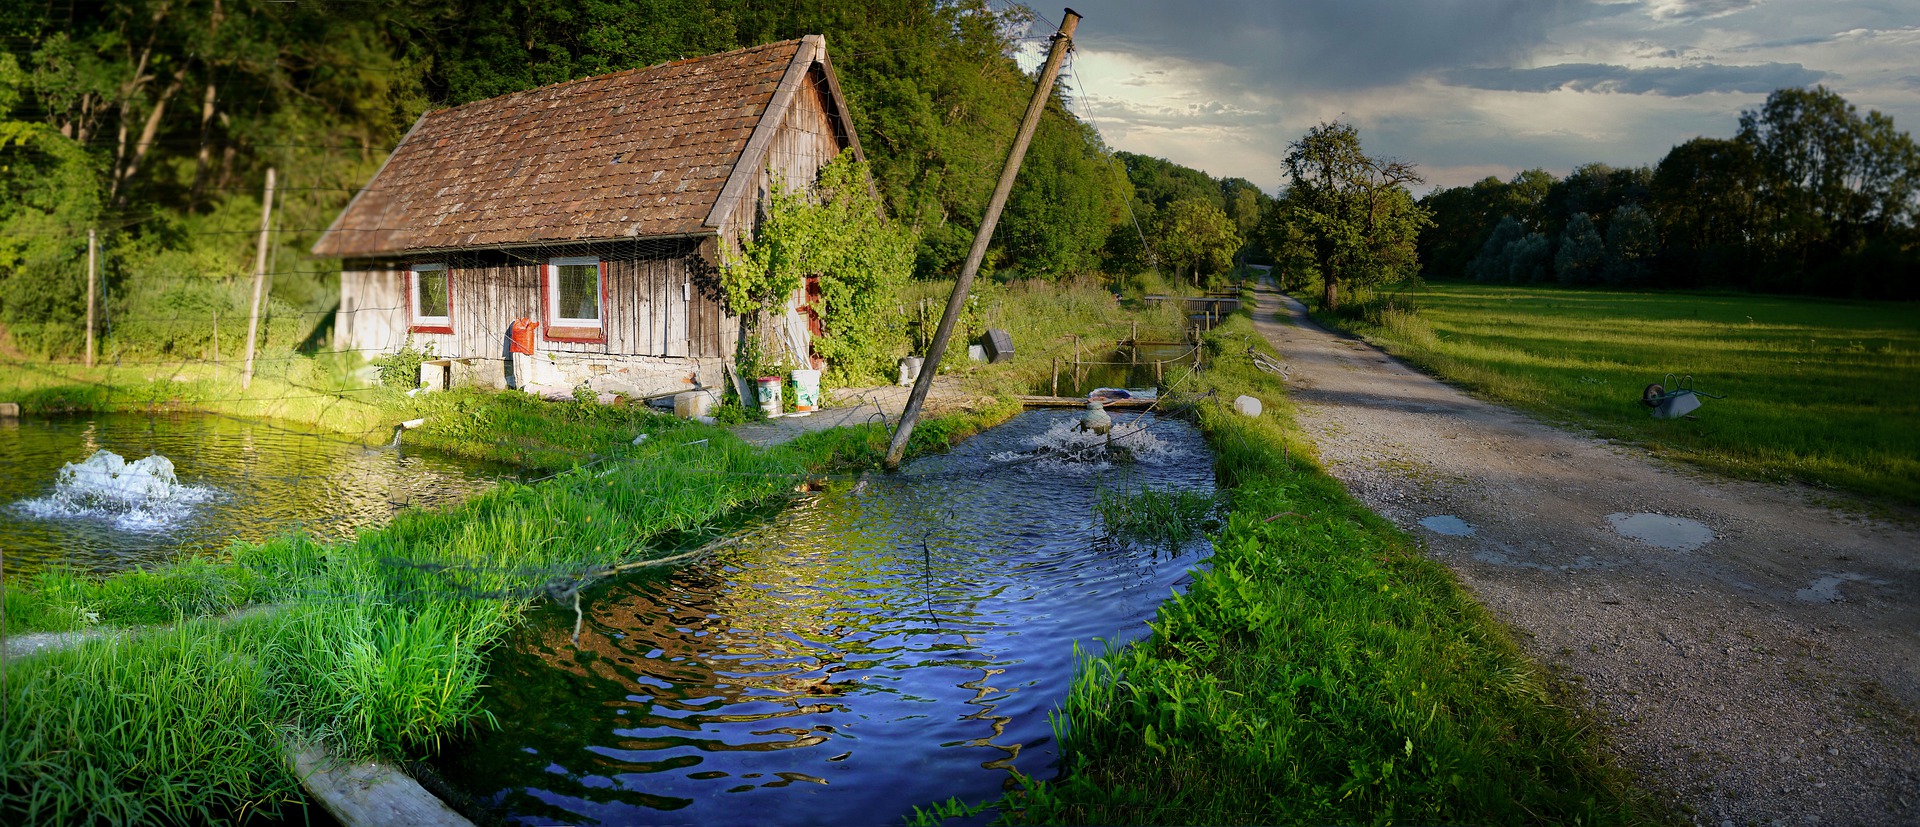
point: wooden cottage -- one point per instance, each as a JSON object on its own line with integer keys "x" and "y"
{"x": 598, "y": 207}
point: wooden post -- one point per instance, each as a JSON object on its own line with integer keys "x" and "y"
{"x": 259, "y": 278}
{"x": 1157, "y": 372}
{"x": 1043, "y": 90}
{"x": 93, "y": 255}
{"x": 1056, "y": 376}
{"x": 1076, "y": 351}
{"x": 1133, "y": 344}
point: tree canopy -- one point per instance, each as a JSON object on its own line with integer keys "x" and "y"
{"x": 1352, "y": 212}
{"x": 1809, "y": 196}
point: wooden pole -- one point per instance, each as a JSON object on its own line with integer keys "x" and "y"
{"x": 1042, "y": 91}
{"x": 93, "y": 257}
{"x": 1133, "y": 344}
{"x": 1056, "y": 376}
{"x": 259, "y": 278}
{"x": 1076, "y": 351}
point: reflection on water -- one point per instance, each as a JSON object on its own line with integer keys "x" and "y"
{"x": 64, "y": 502}
{"x": 866, "y": 653}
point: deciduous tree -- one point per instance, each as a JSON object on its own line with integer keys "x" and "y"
{"x": 1354, "y": 210}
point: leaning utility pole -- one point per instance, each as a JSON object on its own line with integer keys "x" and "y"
{"x": 1062, "y": 41}
{"x": 93, "y": 255}
{"x": 259, "y": 277}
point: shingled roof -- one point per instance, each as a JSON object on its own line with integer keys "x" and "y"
{"x": 638, "y": 153}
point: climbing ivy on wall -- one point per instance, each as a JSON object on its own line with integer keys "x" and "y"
{"x": 834, "y": 230}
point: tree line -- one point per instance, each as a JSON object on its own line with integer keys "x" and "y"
{"x": 1809, "y": 196}
{"x": 154, "y": 121}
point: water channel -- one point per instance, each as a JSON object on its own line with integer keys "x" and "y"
{"x": 873, "y": 648}
{"x": 221, "y": 479}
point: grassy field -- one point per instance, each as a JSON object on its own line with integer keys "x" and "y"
{"x": 1817, "y": 390}
{"x": 1322, "y": 670}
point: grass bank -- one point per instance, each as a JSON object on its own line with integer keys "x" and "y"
{"x": 375, "y": 646}
{"x": 1321, "y": 671}
{"x": 1818, "y": 391}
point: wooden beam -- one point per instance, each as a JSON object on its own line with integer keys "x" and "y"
{"x": 1081, "y": 402}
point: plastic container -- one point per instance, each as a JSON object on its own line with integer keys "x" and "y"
{"x": 767, "y": 390}
{"x": 806, "y": 391}
{"x": 693, "y": 404}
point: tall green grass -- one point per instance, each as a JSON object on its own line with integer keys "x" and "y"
{"x": 1321, "y": 670}
{"x": 1819, "y": 391}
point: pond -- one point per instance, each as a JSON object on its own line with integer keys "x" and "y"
{"x": 875, "y": 647}
{"x": 222, "y": 479}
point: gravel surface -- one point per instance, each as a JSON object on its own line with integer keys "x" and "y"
{"x": 1754, "y": 653}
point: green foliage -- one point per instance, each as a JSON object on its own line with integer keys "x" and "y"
{"x": 1818, "y": 390}
{"x": 1196, "y": 238}
{"x": 1582, "y": 253}
{"x": 401, "y": 368}
{"x": 49, "y": 197}
{"x": 837, "y": 234}
{"x": 1352, "y": 212}
{"x": 1632, "y": 243}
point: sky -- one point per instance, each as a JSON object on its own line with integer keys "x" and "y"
{"x": 1469, "y": 88}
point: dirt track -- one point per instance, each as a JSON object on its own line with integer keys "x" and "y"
{"x": 1767, "y": 675}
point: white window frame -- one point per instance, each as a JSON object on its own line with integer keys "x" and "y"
{"x": 413, "y": 293}
{"x": 552, "y": 274}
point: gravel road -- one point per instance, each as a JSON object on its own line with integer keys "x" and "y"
{"x": 1755, "y": 654}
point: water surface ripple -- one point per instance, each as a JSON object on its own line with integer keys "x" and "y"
{"x": 238, "y": 480}
{"x": 869, "y": 651}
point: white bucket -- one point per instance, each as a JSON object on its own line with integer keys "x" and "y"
{"x": 767, "y": 390}
{"x": 806, "y": 391}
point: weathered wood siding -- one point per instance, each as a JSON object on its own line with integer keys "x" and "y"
{"x": 650, "y": 309}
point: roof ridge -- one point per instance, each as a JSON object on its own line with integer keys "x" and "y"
{"x": 616, "y": 73}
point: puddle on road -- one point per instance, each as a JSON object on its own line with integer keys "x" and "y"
{"x": 1671, "y": 533}
{"x": 1827, "y": 588}
{"x": 1447, "y": 524}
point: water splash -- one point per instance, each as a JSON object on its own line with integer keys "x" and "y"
{"x": 1061, "y": 449}
{"x": 143, "y": 495}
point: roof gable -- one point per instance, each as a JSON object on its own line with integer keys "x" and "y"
{"x": 639, "y": 153}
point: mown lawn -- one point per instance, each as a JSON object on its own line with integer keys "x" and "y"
{"x": 1820, "y": 391}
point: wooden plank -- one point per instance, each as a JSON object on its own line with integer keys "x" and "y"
{"x": 367, "y": 793}
{"x": 1081, "y": 402}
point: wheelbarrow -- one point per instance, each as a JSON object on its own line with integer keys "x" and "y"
{"x": 1681, "y": 400}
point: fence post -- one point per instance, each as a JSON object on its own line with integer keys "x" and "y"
{"x": 1056, "y": 376}
{"x": 93, "y": 254}
{"x": 259, "y": 278}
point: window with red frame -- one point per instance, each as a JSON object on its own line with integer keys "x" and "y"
{"x": 573, "y": 292}
{"x": 429, "y": 299}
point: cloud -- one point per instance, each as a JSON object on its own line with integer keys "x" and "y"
{"x": 1689, "y": 10}
{"x": 1321, "y": 45}
{"x": 1666, "y": 81}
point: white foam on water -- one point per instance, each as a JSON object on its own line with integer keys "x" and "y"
{"x": 1061, "y": 449}
{"x": 143, "y": 495}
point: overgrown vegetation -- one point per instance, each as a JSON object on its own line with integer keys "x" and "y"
{"x": 1322, "y": 670}
{"x": 831, "y": 231}
{"x": 1818, "y": 391}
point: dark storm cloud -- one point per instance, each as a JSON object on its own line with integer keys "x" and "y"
{"x": 1314, "y": 45}
{"x": 1676, "y": 81}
